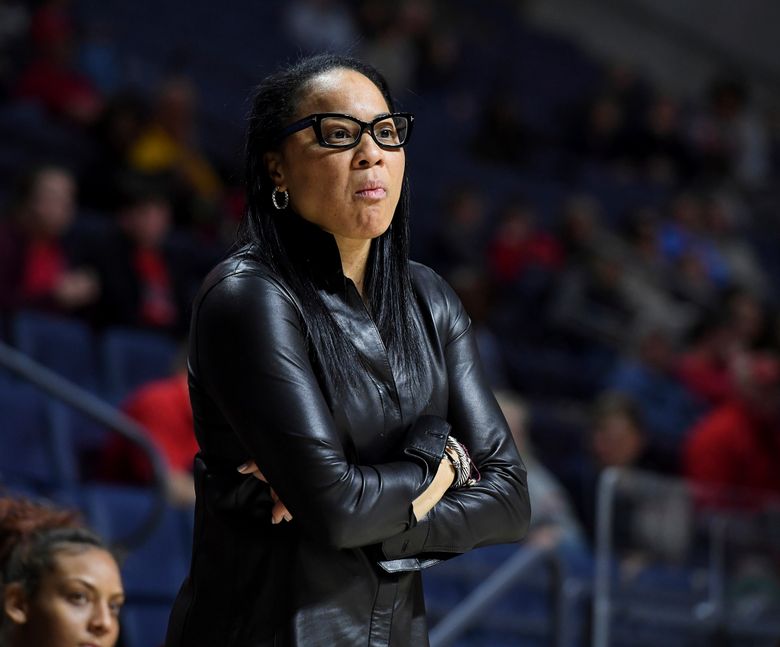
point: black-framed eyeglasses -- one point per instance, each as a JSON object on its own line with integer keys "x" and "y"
{"x": 336, "y": 130}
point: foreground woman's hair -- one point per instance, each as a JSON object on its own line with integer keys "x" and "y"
{"x": 388, "y": 288}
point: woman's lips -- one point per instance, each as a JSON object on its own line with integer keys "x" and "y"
{"x": 372, "y": 190}
{"x": 372, "y": 194}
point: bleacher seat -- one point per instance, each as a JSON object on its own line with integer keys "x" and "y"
{"x": 64, "y": 345}
{"x": 132, "y": 357}
{"x": 37, "y": 452}
{"x": 520, "y": 617}
{"x": 152, "y": 572}
{"x": 144, "y": 625}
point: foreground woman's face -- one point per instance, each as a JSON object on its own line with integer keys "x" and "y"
{"x": 78, "y": 602}
{"x": 350, "y": 193}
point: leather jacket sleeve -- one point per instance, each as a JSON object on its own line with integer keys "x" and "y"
{"x": 497, "y": 508}
{"x": 248, "y": 353}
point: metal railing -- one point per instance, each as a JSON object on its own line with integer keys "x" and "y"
{"x": 719, "y": 525}
{"x": 99, "y": 410}
{"x": 466, "y": 613}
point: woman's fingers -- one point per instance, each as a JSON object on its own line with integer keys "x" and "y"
{"x": 250, "y": 467}
{"x": 280, "y": 513}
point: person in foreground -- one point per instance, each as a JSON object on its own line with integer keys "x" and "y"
{"x": 336, "y": 391}
{"x": 60, "y": 585}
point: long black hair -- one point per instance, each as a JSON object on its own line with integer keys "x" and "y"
{"x": 387, "y": 286}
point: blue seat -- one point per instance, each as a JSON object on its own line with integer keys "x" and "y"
{"x": 132, "y": 357}
{"x": 144, "y": 625}
{"x": 64, "y": 345}
{"x": 37, "y": 452}
{"x": 522, "y": 614}
{"x": 153, "y": 571}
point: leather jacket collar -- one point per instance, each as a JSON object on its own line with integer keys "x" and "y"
{"x": 312, "y": 249}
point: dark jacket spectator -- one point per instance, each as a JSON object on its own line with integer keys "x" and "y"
{"x": 141, "y": 286}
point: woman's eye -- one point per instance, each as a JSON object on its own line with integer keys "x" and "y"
{"x": 341, "y": 133}
{"x": 115, "y": 608}
{"x": 387, "y": 132}
{"x": 77, "y": 598}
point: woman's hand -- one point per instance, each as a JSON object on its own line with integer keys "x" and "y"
{"x": 444, "y": 477}
{"x": 279, "y": 512}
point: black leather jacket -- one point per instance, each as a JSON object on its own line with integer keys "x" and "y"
{"x": 345, "y": 570}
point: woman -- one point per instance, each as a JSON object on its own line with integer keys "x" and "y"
{"x": 321, "y": 354}
{"x": 59, "y": 585}
{"x": 38, "y": 265}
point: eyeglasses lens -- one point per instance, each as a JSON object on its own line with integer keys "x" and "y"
{"x": 341, "y": 131}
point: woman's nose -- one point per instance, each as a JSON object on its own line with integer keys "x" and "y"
{"x": 367, "y": 152}
{"x": 101, "y": 620}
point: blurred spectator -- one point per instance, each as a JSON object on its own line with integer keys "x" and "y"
{"x": 583, "y": 233}
{"x": 725, "y": 218}
{"x": 731, "y": 139}
{"x": 162, "y": 408}
{"x": 618, "y": 438}
{"x": 599, "y": 133}
{"x": 685, "y": 239}
{"x": 657, "y": 146}
{"x": 60, "y": 585}
{"x": 590, "y": 304}
{"x": 501, "y": 136}
{"x": 476, "y": 294}
{"x": 623, "y": 83}
{"x": 553, "y": 522}
{"x": 705, "y": 366}
{"x": 748, "y": 318}
{"x": 440, "y": 52}
{"x": 116, "y": 131}
{"x": 649, "y": 377}
{"x": 387, "y": 42}
{"x": 459, "y": 239}
{"x": 52, "y": 78}
{"x": 320, "y": 25}
{"x": 39, "y": 267}
{"x": 98, "y": 58}
{"x": 168, "y": 146}
{"x": 14, "y": 20}
{"x": 648, "y": 278}
{"x": 519, "y": 245}
{"x": 737, "y": 445}
{"x": 141, "y": 286}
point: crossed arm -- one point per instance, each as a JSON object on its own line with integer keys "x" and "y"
{"x": 249, "y": 353}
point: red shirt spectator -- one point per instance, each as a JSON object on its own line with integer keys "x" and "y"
{"x": 706, "y": 376}
{"x": 162, "y": 408}
{"x": 738, "y": 444}
{"x": 518, "y": 245}
{"x": 37, "y": 268}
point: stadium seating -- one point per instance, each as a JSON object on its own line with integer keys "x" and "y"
{"x": 66, "y": 346}
{"x": 37, "y": 452}
{"x": 131, "y": 358}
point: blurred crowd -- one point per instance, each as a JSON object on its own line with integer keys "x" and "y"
{"x": 640, "y": 331}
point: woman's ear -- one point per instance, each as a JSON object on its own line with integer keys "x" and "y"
{"x": 15, "y": 604}
{"x": 273, "y": 163}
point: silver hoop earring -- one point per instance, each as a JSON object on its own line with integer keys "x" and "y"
{"x": 275, "y": 198}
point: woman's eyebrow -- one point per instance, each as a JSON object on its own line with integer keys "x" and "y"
{"x": 81, "y": 580}
{"x": 91, "y": 586}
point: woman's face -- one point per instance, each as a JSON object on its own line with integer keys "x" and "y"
{"x": 52, "y": 202}
{"x": 77, "y": 603}
{"x": 350, "y": 193}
